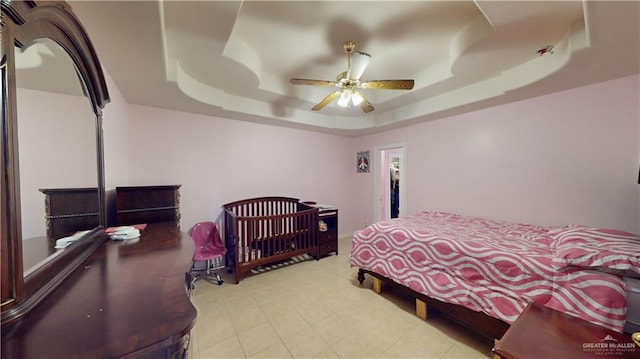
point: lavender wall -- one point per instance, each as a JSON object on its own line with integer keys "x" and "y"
{"x": 56, "y": 151}
{"x": 218, "y": 161}
{"x": 568, "y": 157}
{"x": 115, "y": 128}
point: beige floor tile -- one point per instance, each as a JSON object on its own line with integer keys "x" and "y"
{"x": 433, "y": 342}
{"x": 305, "y": 344}
{"x": 278, "y": 306}
{"x": 313, "y": 312}
{"x": 276, "y": 351}
{"x": 210, "y": 333}
{"x": 287, "y": 323}
{"x": 194, "y": 349}
{"x": 211, "y": 309}
{"x": 327, "y": 354}
{"x": 461, "y": 351}
{"x": 258, "y": 338}
{"x": 333, "y": 329}
{"x": 382, "y": 333}
{"x": 263, "y": 295}
{"x": 238, "y": 304}
{"x": 248, "y": 319}
{"x": 338, "y": 303}
{"x": 404, "y": 350}
{"x": 233, "y": 292}
{"x": 355, "y": 346}
{"x": 228, "y": 349}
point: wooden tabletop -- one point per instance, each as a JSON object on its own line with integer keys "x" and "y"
{"x": 541, "y": 332}
{"x": 127, "y": 297}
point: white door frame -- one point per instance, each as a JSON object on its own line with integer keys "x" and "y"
{"x": 379, "y": 176}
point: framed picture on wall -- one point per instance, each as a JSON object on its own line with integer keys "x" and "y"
{"x": 362, "y": 162}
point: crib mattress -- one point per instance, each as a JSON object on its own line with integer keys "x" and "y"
{"x": 489, "y": 266}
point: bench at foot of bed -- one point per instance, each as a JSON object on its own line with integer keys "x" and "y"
{"x": 477, "y": 321}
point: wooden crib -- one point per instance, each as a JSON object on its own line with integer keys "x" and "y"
{"x": 264, "y": 230}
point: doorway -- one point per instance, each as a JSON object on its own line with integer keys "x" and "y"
{"x": 390, "y": 186}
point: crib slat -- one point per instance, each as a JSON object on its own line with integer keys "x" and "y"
{"x": 263, "y": 245}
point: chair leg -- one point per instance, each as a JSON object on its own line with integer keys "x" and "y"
{"x": 208, "y": 272}
{"x": 194, "y": 277}
{"x": 211, "y": 272}
{"x": 193, "y": 282}
{"x": 208, "y": 267}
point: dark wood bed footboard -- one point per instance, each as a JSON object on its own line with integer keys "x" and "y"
{"x": 264, "y": 230}
{"x": 477, "y": 321}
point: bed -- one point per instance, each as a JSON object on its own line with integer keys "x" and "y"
{"x": 489, "y": 270}
{"x": 264, "y": 230}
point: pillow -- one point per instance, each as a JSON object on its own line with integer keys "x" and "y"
{"x": 556, "y": 234}
{"x": 608, "y": 250}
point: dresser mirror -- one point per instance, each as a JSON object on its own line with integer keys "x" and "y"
{"x": 56, "y": 153}
{"x": 53, "y": 92}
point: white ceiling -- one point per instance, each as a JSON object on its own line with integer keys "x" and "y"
{"x": 234, "y": 59}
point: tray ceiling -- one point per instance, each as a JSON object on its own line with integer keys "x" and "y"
{"x": 234, "y": 59}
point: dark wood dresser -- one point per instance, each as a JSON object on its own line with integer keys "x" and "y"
{"x": 127, "y": 300}
{"x": 69, "y": 210}
{"x": 148, "y": 204}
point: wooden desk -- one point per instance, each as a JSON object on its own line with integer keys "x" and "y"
{"x": 541, "y": 332}
{"x": 128, "y": 300}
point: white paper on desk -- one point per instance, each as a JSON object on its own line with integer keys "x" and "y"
{"x": 124, "y": 234}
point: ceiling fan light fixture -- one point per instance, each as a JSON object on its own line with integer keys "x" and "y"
{"x": 359, "y": 62}
{"x": 356, "y": 98}
{"x": 344, "y": 99}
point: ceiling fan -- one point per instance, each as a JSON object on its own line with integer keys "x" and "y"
{"x": 348, "y": 83}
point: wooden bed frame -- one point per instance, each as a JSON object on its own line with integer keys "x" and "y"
{"x": 263, "y": 230}
{"x": 477, "y": 321}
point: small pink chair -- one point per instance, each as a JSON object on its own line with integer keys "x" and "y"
{"x": 209, "y": 249}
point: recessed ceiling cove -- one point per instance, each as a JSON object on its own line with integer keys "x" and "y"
{"x": 235, "y": 59}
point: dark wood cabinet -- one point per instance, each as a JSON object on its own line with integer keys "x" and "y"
{"x": 542, "y": 332}
{"x": 328, "y": 231}
{"x": 128, "y": 300}
{"x": 69, "y": 210}
{"x": 148, "y": 204}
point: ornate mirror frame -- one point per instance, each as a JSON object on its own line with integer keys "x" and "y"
{"x": 23, "y": 22}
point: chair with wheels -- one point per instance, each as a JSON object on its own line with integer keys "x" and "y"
{"x": 208, "y": 249}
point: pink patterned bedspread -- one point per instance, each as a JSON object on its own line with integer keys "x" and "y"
{"x": 487, "y": 266}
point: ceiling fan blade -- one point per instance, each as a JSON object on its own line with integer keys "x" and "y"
{"x": 366, "y": 106}
{"x": 388, "y": 84}
{"x": 312, "y": 82}
{"x": 358, "y": 63}
{"x": 332, "y": 96}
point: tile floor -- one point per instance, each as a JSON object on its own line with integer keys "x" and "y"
{"x": 317, "y": 309}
